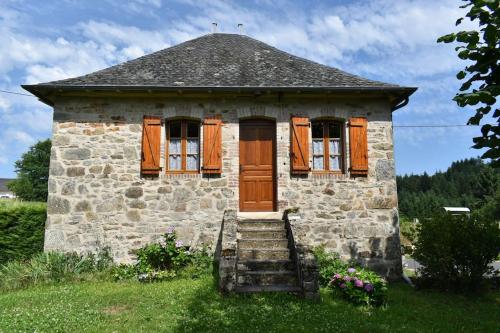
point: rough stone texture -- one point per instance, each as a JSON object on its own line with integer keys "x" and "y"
{"x": 307, "y": 267}
{"x": 227, "y": 256}
{"x": 356, "y": 217}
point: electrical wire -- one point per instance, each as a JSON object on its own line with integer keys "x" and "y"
{"x": 395, "y": 126}
{"x": 15, "y": 93}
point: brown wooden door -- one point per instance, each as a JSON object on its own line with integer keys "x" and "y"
{"x": 257, "y": 166}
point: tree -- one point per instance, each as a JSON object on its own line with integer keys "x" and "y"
{"x": 481, "y": 86}
{"x": 33, "y": 173}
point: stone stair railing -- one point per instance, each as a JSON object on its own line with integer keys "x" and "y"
{"x": 227, "y": 255}
{"x": 307, "y": 267}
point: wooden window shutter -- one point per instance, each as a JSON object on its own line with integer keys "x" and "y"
{"x": 151, "y": 137}
{"x": 358, "y": 144}
{"x": 212, "y": 145}
{"x": 299, "y": 147}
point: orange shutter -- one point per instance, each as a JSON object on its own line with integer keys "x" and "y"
{"x": 151, "y": 137}
{"x": 299, "y": 147}
{"x": 212, "y": 145}
{"x": 358, "y": 143}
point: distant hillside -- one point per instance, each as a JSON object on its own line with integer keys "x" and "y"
{"x": 3, "y": 184}
{"x": 467, "y": 183}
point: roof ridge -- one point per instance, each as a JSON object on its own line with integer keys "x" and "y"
{"x": 219, "y": 60}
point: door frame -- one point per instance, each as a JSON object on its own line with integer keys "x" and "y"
{"x": 256, "y": 121}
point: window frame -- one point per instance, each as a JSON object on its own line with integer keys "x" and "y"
{"x": 326, "y": 146}
{"x": 183, "y": 154}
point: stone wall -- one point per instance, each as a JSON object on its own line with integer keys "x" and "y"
{"x": 97, "y": 197}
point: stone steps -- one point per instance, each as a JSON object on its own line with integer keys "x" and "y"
{"x": 262, "y": 243}
{"x": 261, "y": 224}
{"x": 274, "y": 288}
{"x": 265, "y": 265}
{"x": 277, "y": 233}
{"x": 263, "y": 254}
{"x": 267, "y": 278}
{"x": 263, "y": 257}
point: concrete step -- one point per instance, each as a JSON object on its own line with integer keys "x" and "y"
{"x": 265, "y": 265}
{"x": 266, "y": 278}
{"x": 278, "y": 233}
{"x": 262, "y": 243}
{"x": 260, "y": 224}
{"x": 274, "y": 288}
{"x": 263, "y": 254}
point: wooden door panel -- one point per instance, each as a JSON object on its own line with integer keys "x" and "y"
{"x": 257, "y": 165}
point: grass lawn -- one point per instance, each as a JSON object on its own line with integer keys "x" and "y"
{"x": 196, "y": 306}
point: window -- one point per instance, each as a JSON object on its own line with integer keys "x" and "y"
{"x": 183, "y": 146}
{"x": 328, "y": 146}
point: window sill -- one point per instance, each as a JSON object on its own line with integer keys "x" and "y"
{"x": 195, "y": 172}
{"x": 325, "y": 172}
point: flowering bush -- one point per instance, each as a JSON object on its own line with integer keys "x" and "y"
{"x": 166, "y": 260}
{"x": 169, "y": 254}
{"x": 359, "y": 286}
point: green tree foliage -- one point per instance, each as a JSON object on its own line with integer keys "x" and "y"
{"x": 33, "y": 173}
{"x": 468, "y": 183}
{"x": 21, "y": 229}
{"x": 455, "y": 251}
{"x": 481, "y": 84}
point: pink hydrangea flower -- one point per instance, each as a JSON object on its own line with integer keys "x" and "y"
{"x": 358, "y": 283}
{"x": 170, "y": 230}
{"x": 368, "y": 287}
{"x": 351, "y": 270}
{"x": 343, "y": 285}
{"x": 347, "y": 278}
{"x": 179, "y": 243}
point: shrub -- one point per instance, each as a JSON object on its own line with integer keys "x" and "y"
{"x": 21, "y": 229}
{"x": 455, "y": 251}
{"x": 359, "y": 286}
{"x": 166, "y": 260}
{"x": 356, "y": 284}
{"x": 329, "y": 263}
{"x": 53, "y": 267}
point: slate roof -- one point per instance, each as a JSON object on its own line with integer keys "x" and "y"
{"x": 219, "y": 61}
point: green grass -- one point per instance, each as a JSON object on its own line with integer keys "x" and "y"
{"x": 10, "y": 204}
{"x": 195, "y": 306}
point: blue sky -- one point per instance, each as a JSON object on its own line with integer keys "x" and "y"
{"x": 387, "y": 40}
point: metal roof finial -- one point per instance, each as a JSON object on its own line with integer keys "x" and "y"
{"x": 214, "y": 27}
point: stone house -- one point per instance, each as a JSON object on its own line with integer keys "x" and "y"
{"x": 220, "y": 131}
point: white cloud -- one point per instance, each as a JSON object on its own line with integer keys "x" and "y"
{"x": 18, "y": 137}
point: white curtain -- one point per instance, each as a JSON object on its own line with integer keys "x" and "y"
{"x": 334, "y": 146}
{"x": 192, "y": 162}
{"x": 175, "y": 146}
{"x": 334, "y": 163}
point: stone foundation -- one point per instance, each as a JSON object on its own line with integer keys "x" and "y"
{"x": 97, "y": 197}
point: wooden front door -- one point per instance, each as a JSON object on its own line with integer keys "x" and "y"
{"x": 257, "y": 166}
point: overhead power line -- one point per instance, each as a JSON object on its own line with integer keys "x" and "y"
{"x": 15, "y": 93}
{"x": 398, "y": 126}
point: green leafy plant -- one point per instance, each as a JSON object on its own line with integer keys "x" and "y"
{"x": 53, "y": 267}
{"x": 171, "y": 254}
{"x": 359, "y": 286}
{"x": 348, "y": 280}
{"x": 32, "y": 171}
{"x": 481, "y": 50}
{"x": 166, "y": 260}
{"x": 21, "y": 229}
{"x": 455, "y": 251}
{"x": 329, "y": 263}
